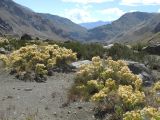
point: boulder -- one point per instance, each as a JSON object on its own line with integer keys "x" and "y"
{"x": 2, "y": 50}
{"x": 108, "y": 46}
{"x": 152, "y": 49}
{"x": 79, "y": 63}
{"x": 143, "y": 72}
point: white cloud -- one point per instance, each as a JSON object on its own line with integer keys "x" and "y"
{"x": 79, "y": 15}
{"x": 140, "y": 2}
{"x": 112, "y": 13}
{"x": 87, "y": 1}
{"x": 159, "y": 10}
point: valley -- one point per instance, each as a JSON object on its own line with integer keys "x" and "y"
{"x": 52, "y": 68}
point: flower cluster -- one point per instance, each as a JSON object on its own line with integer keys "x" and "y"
{"x": 90, "y": 71}
{"x": 157, "y": 86}
{"x": 100, "y": 95}
{"x": 40, "y": 69}
{"x": 38, "y": 58}
{"x": 147, "y": 113}
{"x": 129, "y": 96}
{"x": 156, "y": 91}
{"x": 4, "y": 58}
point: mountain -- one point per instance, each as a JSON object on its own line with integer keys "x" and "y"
{"x": 117, "y": 29}
{"x": 17, "y": 20}
{"x": 91, "y": 25}
{"x": 131, "y": 27}
{"x": 147, "y": 31}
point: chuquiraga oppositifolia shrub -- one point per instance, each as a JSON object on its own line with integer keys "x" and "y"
{"x": 38, "y": 58}
{"x": 111, "y": 82}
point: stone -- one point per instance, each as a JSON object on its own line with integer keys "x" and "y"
{"x": 40, "y": 78}
{"x": 50, "y": 73}
{"x": 79, "y": 63}
{"x": 28, "y": 89}
{"x": 142, "y": 71}
{"x": 152, "y": 49}
{"x": 108, "y": 46}
{"x": 2, "y": 50}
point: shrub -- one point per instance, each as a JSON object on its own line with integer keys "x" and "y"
{"x": 104, "y": 76}
{"x": 83, "y": 50}
{"x": 26, "y": 37}
{"x": 111, "y": 84}
{"x": 38, "y": 58}
{"x": 119, "y": 51}
{"x": 147, "y": 113}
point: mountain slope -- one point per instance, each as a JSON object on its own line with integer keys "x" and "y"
{"x": 16, "y": 19}
{"x": 117, "y": 28}
{"x": 143, "y": 32}
{"x": 91, "y": 25}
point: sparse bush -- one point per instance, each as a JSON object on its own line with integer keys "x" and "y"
{"x": 26, "y": 37}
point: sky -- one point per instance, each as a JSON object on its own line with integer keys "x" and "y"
{"x": 81, "y": 11}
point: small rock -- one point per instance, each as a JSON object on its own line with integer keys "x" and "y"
{"x": 2, "y": 50}
{"x": 69, "y": 112}
{"x": 55, "y": 114}
{"x": 50, "y": 73}
{"x": 28, "y": 89}
{"x": 79, "y": 63}
{"x": 79, "y": 107}
{"x": 9, "y": 97}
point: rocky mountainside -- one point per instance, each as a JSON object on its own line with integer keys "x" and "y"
{"x": 147, "y": 31}
{"x": 17, "y": 20}
{"x": 117, "y": 29}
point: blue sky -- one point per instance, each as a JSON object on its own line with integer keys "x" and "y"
{"x": 91, "y": 10}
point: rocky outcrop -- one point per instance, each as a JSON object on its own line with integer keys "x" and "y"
{"x": 153, "y": 49}
{"x": 142, "y": 71}
{"x": 79, "y": 63}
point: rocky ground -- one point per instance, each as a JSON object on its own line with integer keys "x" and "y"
{"x": 40, "y": 101}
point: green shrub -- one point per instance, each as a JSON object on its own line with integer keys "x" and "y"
{"x": 119, "y": 51}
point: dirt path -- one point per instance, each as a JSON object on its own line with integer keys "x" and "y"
{"x": 40, "y": 101}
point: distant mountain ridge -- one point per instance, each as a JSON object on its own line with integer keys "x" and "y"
{"x": 119, "y": 27}
{"x": 17, "y": 20}
{"x": 91, "y": 25}
{"x": 129, "y": 28}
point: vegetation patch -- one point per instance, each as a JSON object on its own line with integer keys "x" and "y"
{"x": 114, "y": 88}
{"x": 37, "y": 59}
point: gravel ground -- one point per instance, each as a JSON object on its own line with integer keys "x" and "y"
{"x": 40, "y": 101}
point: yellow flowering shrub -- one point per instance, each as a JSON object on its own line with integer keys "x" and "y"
{"x": 156, "y": 91}
{"x": 111, "y": 74}
{"x": 157, "y": 86}
{"x": 147, "y": 113}
{"x": 40, "y": 69}
{"x": 4, "y": 58}
{"x": 113, "y": 85}
{"x": 90, "y": 71}
{"x": 130, "y": 96}
{"x": 100, "y": 95}
{"x": 38, "y": 58}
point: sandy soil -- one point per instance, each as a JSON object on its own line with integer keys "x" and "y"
{"x": 40, "y": 101}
